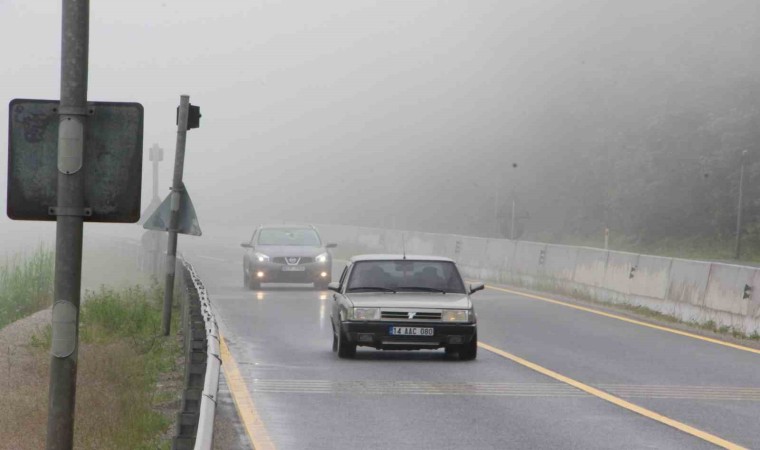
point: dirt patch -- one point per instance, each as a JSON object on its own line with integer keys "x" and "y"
{"x": 23, "y": 416}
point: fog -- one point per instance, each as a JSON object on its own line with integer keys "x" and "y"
{"x": 426, "y": 115}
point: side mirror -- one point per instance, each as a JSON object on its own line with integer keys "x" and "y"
{"x": 475, "y": 287}
{"x": 331, "y": 245}
{"x": 246, "y": 245}
{"x": 333, "y": 286}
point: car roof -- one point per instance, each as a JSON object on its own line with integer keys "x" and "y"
{"x": 392, "y": 257}
{"x": 288, "y": 227}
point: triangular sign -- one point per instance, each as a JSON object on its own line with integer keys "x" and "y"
{"x": 188, "y": 221}
{"x": 154, "y": 204}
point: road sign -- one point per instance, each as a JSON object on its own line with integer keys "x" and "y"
{"x": 112, "y": 161}
{"x": 149, "y": 210}
{"x": 188, "y": 220}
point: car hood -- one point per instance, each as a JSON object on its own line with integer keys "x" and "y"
{"x": 289, "y": 250}
{"x": 410, "y": 300}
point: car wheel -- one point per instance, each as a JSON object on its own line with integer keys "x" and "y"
{"x": 246, "y": 279}
{"x": 335, "y": 342}
{"x": 345, "y": 349}
{"x": 469, "y": 351}
{"x": 320, "y": 285}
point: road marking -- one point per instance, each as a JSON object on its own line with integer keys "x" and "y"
{"x": 626, "y": 319}
{"x": 615, "y": 400}
{"x": 378, "y": 387}
{"x": 511, "y": 389}
{"x": 254, "y": 427}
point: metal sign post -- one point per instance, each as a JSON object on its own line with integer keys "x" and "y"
{"x": 70, "y": 224}
{"x": 176, "y": 195}
{"x": 176, "y": 213}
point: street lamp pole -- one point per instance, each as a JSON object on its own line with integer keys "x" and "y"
{"x": 496, "y": 227}
{"x": 512, "y": 220}
{"x": 737, "y": 250}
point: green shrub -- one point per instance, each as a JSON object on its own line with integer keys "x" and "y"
{"x": 26, "y": 285}
{"x": 124, "y": 365}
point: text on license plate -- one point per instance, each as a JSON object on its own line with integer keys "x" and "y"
{"x": 410, "y": 331}
{"x": 293, "y": 268}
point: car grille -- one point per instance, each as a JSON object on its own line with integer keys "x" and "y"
{"x": 302, "y": 260}
{"x": 404, "y": 315}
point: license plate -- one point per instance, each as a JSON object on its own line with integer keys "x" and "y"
{"x": 410, "y": 331}
{"x": 293, "y": 268}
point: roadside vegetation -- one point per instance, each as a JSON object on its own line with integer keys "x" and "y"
{"x": 26, "y": 285}
{"x": 129, "y": 377}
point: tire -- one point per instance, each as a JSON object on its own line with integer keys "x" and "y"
{"x": 246, "y": 279}
{"x": 335, "y": 342}
{"x": 346, "y": 350}
{"x": 469, "y": 351}
{"x": 320, "y": 285}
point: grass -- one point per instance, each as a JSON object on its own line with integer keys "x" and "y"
{"x": 128, "y": 373}
{"x": 26, "y": 285}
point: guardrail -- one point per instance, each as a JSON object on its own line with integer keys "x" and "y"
{"x": 195, "y": 421}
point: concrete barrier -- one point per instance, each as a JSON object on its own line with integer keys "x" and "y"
{"x": 725, "y": 288}
{"x": 471, "y": 255}
{"x": 689, "y": 290}
{"x": 420, "y": 243}
{"x": 687, "y": 285}
{"x": 527, "y": 265}
{"x": 651, "y": 277}
{"x": 498, "y": 257}
{"x": 590, "y": 265}
{"x": 621, "y": 268}
{"x": 560, "y": 262}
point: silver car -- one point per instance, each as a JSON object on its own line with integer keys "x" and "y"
{"x": 286, "y": 254}
{"x": 400, "y": 302}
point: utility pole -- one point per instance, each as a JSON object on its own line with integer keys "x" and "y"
{"x": 512, "y": 220}
{"x": 497, "y": 231}
{"x": 72, "y": 112}
{"x": 156, "y": 156}
{"x": 737, "y": 250}
{"x": 176, "y": 195}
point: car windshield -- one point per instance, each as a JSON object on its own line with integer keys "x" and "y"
{"x": 289, "y": 236}
{"x": 406, "y": 275}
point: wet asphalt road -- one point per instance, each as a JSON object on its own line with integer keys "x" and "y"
{"x": 306, "y": 397}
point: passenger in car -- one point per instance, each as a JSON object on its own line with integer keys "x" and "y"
{"x": 429, "y": 278}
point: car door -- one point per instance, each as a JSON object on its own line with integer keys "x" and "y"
{"x": 250, "y": 250}
{"x": 339, "y": 298}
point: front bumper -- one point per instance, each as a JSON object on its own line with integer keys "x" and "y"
{"x": 276, "y": 273}
{"x": 377, "y": 334}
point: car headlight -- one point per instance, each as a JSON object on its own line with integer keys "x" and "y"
{"x": 321, "y": 258}
{"x": 366, "y": 314}
{"x": 260, "y": 257}
{"x": 455, "y": 315}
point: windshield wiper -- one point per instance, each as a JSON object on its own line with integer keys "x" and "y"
{"x": 371, "y": 288}
{"x": 420, "y": 288}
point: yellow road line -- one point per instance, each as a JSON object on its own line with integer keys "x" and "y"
{"x": 254, "y": 427}
{"x": 615, "y": 400}
{"x": 625, "y": 319}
